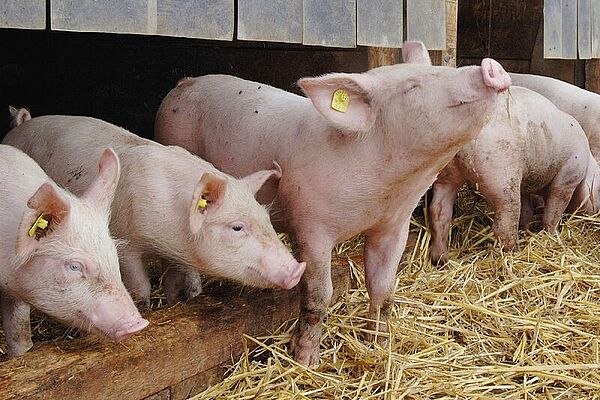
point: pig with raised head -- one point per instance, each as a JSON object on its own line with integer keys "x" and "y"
{"x": 527, "y": 147}
{"x": 168, "y": 202}
{"x": 57, "y": 253}
{"x": 581, "y": 104}
{"x": 356, "y": 155}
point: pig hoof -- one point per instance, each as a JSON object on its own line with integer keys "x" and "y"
{"x": 306, "y": 353}
{"x": 438, "y": 259}
{"x": 381, "y": 335}
{"x": 143, "y": 306}
{"x": 18, "y": 349}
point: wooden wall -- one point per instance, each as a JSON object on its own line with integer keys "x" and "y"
{"x": 510, "y": 31}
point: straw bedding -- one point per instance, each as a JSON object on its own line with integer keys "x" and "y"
{"x": 488, "y": 325}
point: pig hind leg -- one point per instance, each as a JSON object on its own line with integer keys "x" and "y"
{"x": 180, "y": 285}
{"x": 440, "y": 217}
{"x": 17, "y": 326}
{"x": 559, "y": 194}
{"x": 383, "y": 251}
{"x": 316, "y": 292}
{"x": 135, "y": 277}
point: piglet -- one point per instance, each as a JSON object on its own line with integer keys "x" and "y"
{"x": 57, "y": 254}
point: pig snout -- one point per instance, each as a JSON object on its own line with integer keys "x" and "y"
{"x": 294, "y": 273}
{"x": 494, "y": 76}
{"x": 117, "y": 318}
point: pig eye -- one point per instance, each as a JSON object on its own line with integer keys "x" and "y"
{"x": 75, "y": 266}
{"x": 237, "y": 227}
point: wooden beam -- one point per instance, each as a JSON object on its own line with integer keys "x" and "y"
{"x": 175, "y": 357}
{"x": 592, "y": 75}
{"x": 379, "y": 56}
{"x": 447, "y": 57}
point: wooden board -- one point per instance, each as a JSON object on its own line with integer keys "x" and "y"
{"x": 329, "y": 23}
{"x": 552, "y": 28}
{"x": 595, "y": 29}
{"x": 379, "y": 23}
{"x": 584, "y": 29}
{"x": 426, "y": 21}
{"x": 25, "y": 14}
{"x": 270, "y": 20}
{"x": 569, "y": 29}
{"x": 100, "y": 15}
{"x": 175, "y": 357}
{"x": 202, "y": 19}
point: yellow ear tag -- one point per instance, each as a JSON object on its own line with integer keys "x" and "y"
{"x": 202, "y": 203}
{"x": 340, "y": 100}
{"x": 40, "y": 223}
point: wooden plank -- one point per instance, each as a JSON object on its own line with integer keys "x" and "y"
{"x": 379, "y": 23}
{"x": 447, "y": 57}
{"x": 552, "y": 28}
{"x": 24, "y": 14}
{"x": 114, "y": 16}
{"x": 592, "y": 75}
{"x": 202, "y": 19}
{"x": 426, "y": 21}
{"x": 270, "y": 20}
{"x": 595, "y": 29}
{"x": 584, "y": 29}
{"x": 379, "y": 56}
{"x": 181, "y": 342}
{"x": 559, "y": 69}
{"x": 569, "y": 29}
{"x": 329, "y": 23}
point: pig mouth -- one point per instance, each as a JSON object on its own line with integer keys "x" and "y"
{"x": 464, "y": 102}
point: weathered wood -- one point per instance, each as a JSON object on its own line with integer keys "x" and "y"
{"x": 203, "y": 19}
{"x": 379, "y": 23}
{"x": 556, "y": 68}
{"x": 447, "y": 57}
{"x": 426, "y": 21}
{"x": 584, "y": 29}
{"x": 181, "y": 342}
{"x": 270, "y": 20}
{"x": 569, "y": 29}
{"x": 553, "y": 29}
{"x": 100, "y": 15}
{"x": 592, "y": 75}
{"x": 330, "y": 23}
{"x": 379, "y": 56}
{"x": 25, "y": 14}
{"x": 595, "y": 21}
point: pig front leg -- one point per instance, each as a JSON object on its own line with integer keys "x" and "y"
{"x": 180, "y": 285}
{"x": 316, "y": 290}
{"x": 504, "y": 195}
{"x": 440, "y": 217}
{"x": 135, "y": 277}
{"x": 383, "y": 251}
{"x": 17, "y": 326}
{"x": 527, "y": 211}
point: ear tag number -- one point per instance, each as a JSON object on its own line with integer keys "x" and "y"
{"x": 340, "y": 101}
{"x": 40, "y": 223}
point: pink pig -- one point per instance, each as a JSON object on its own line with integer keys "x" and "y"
{"x": 57, "y": 253}
{"x": 357, "y": 155}
{"x": 527, "y": 147}
{"x": 168, "y": 202}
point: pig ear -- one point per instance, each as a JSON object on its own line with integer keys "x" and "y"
{"x": 415, "y": 53}
{"x": 208, "y": 196}
{"x": 494, "y": 75}
{"x": 343, "y": 99}
{"x": 102, "y": 189}
{"x": 53, "y": 207}
{"x": 18, "y": 116}
{"x": 256, "y": 180}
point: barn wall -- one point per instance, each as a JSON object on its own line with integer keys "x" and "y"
{"x": 510, "y": 31}
{"x": 122, "y": 78}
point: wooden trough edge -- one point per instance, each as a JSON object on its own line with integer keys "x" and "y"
{"x": 180, "y": 353}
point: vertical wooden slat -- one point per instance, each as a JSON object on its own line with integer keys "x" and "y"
{"x": 270, "y": 20}
{"x": 552, "y": 28}
{"x": 426, "y": 21}
{"x": 25, "y": 14}
{"x": 116, "y": 16}
{"x": 584, "y": 29}
{"x": 595, "y": 12}
{"x": 330, "y": 23}
{"x": 203, "y": 19}
{"x": 569, "y": 29}
{"x": 379, "y": 23}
